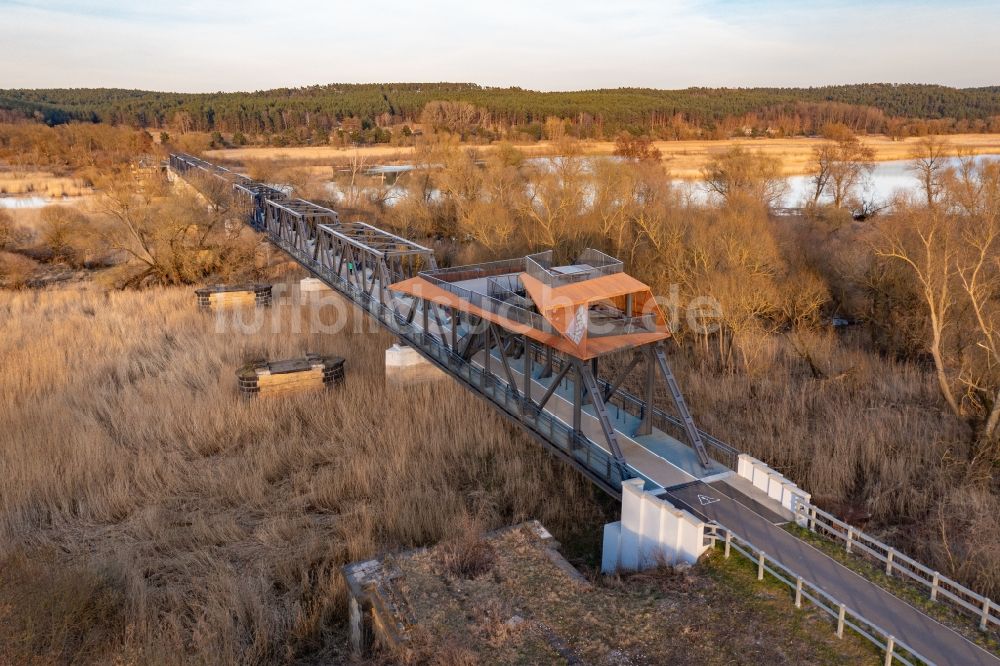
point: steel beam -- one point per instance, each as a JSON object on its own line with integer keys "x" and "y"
{"x": 648, "y": 395}
{"x": 503, "y": 359}
{"x": 553, "y": 386}
{"x": 694, "y": 437}
{"x": 526, "y": 356}
{"x": 613, "y": 387}
{"x": 590, "y": 382}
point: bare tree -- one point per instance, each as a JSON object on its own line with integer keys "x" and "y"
{"x": 930, "y": 160}
{"x": 356, "y": 167}
{"x": 739, "y": 173}
{"x": 823, "y": 156}
{"x": 952, "y": 249}
{"x": 623, "y": 196}
{"x": 481, "y": 197}
{"x": 555, "y": 198}
{"x": 977, "y": 190}
{"x": 925, "y": 245}
{"x": 841, "y": 164}
{"x": 170, "y": 236}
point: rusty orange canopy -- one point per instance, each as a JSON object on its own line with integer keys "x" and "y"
{"x": 558, "y": 305}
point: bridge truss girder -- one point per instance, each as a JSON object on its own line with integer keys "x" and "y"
{"x": 470, "y": 337}
{"x": 315, "y": 238}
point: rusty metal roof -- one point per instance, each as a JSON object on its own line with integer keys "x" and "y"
{"x": 605, "y": 287}
{"x": 585, "y": 348}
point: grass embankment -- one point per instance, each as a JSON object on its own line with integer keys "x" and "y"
{"x": 684, "y": 159}
{"x": 517, "y": 606}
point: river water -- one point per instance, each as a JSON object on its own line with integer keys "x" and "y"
{"x": 34, "y": 201}
{"x": 886, "y": 180}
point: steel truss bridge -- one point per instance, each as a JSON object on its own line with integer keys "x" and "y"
{"x": 360, "y": 261}
{"x": 590, "y": 421}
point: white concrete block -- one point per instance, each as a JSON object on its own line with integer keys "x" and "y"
{"x": 744, "y": 466}
{"x": 631, "y": 522}
{"x": 611, "y": 551}
{"x": 652, "y": 531}
{"x": 761, "y": 478}
{"x": 405, "y": 366}
{"x": 650, "y": 544}
{"x": 669, "y": 539}
{"x": 800, "y": 498}
{"x": 399, "y": 356}
{"x": 691, "y": 539}
{"x": 311, "y": 284}
{"x": 775, "y": 488}
{"x": 788, "y": 491}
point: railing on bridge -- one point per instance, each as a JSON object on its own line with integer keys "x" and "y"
{"x": 590, "y": 264}
{"x": 505, "y": 309}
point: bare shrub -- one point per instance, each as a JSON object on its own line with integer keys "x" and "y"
{"x": 634, "y": 147}
{"x": 6, "y": 229}
{"x": 739, "y": 173}
{"x": 16, "y": 270}
{"x": 469, "y": 555}
{"x": 64, "y": 233}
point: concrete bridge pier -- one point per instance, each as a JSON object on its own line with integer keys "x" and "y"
{"x": 405, "y": 365}
{"x": 652, "y": 532}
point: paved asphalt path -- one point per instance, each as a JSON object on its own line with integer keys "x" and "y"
{"x": 909, "y": 625}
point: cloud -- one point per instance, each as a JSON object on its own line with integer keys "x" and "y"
{"x": 228, "y": 45}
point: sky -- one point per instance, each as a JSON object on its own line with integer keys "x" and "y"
{"x": 212, "y": 45}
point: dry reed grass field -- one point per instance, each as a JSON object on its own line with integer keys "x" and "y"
{"x": 42, "y": 183}
{"x": 148, "y": 515}
{"x": 873, "y": 428}
{"x": 151, "y": 516}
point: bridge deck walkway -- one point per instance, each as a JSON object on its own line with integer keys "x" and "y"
{"x": 660, "y": 459}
